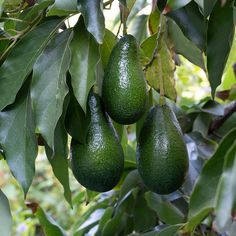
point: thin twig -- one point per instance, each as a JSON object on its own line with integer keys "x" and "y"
{"x": 155, "y": 51}
{"x": 107, "y": 3}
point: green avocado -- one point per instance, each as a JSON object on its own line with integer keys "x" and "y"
{"x": 124, "y": 90}
{"x": 162, "y": 156}
{"x": 98, "y": 163}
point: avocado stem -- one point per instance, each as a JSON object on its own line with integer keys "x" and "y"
{"x": 162, "y": 90}
{"x": 123, "y": 16}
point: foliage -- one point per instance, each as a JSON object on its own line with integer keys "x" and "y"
{"x": 53, "y": 52}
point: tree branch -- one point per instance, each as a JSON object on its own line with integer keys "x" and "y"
{"x": 219, "y": 121}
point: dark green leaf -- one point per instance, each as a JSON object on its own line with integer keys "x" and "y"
{"x": 171, "y": 230}
{"x": 220, "y": 30}
{"x": 30, "y": 48}
{"x": 192, "y": 23}
{"x": 213, "y": 107}
{"x": 202, "y": 123}
{"x": 75, "y": 120}
{"x": 166, "y": 212}
{"x": 203, "y": 198}
{"x": 50, "y": 227}
{"x": 226, "y": 196}
{"x": 184, "y": 46}
{"x": 18, "y": 139}
{"x": 48, "y": 95}
{"x": 144, "y": 216}
{"x": 107, "y": 46}
{"x": 5, "y": 215}
{"x": 139, "y": 28}
{"x": 58, "y": 155}
{"x": 85, "y": 57}
{"x": 206, "y": 6}
{"x": 63, "y": 8}
{"x": 93, "y": 17}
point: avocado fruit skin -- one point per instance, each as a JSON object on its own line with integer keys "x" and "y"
{"x": 98, "y": 163}
{"x": 124, "y": 89}
{"x": 162, "y": 157}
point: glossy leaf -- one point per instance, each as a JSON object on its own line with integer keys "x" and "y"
{"x": 192, "y": 23}
{"x": 220, "y": 30}
{"x": 203, "y": 198}
{"x": 93, "y": 17}
{"x": 28, "y": 48}
{"x": 226, "y": 196}
{"x": 59, "y": 154}
{"x": 166, "y": 212}
{"x": 162, "y": 66}
{"x": 85, "y": 57}
{"x": 5, "y": 215}
{"x": 20, "y": 152}
{"x": 48, "y": 95}
{"x": 63, "y": 8}
{"x": 50, "y": 227}
{"x": 184, "y": 46}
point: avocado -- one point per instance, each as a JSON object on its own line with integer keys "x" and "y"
{"x": 98, "y": 163}
{"x": 124, "y": 90}
{"x": 162, "y": 157}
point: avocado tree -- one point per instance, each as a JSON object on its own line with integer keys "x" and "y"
{"x": 53, "y": 57}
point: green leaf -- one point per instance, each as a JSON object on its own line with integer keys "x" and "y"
{"x": 220, "y": 30}
{"x": 1, "y": 6}
{"x": 206, "y": 6}
{"x": 184, "y": 46}
{"x": 192, "y": 23}
{"x": 30, "y": 48}
{"x": 58, "y": 157}
{"x": 48, "y": 95}
{"x": 85, "y": 57}
{"x": 171, "y": 230}
{"x": 144, "y": 216}
{"x": 108, "y": 43}
{"x": 166, "y": 212}
{"x": 175, "y": 4}
{"x": 18, "y": 139}
{"x": 63, "y": 8}
{"x": 50, "y": 227}
{"x": 93, "y": 17}
{"x": 138, "y": 28}
{"x": 162, "y": 66}
{"x": 202, "y": 123}
{"x": 76, "y": 123}
{"x": 5, "y": 215}
{"x": 203, "y": 198}
{"x": 226, "y": 196}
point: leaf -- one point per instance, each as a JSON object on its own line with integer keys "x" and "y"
{"x": 166, "y": 212}
{"x": 184, "y": 46}
{"x": 75, "y": 121}
{"x": 139, "y": 28}
{"x": 48, "y": 95}
{"x": 18, "y": 139}
{"x": 144, "y": 216}
{"x": 85, "y": 57}
{"x": 109, "y": 42}
{"x": 192, "y": 23}
{"x": 93, "y": 17}
{"x": 50, "y": 227}
{"x": 226, "y": 197}
{"x": 28, "y": 48}
{"x": 206, "y": 6}
{"x": 63, "y": 8}
{"x": 203, "y": 198}
{"x": 202, "y": 123}
{"x": 167, "y": 231}
{"x": 220, "y": 30}
{"x": 162, "y": 66}
{"x": 5, "y": 215}
{"x": 175, "y": 4}
{"x": 58, "y": 155}
{"x": 1, "y": 6}
{"x": 213, "y": 107}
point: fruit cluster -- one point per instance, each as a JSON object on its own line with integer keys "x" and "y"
{"x": 162, "y": 159}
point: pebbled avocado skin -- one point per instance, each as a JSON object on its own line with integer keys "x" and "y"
{"x": 162, "y": 156}
{"x": 98, "y": 163}
{"x": 124, "y": 90}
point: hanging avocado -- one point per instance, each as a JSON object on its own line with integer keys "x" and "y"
{"x": 124, "y": 89}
